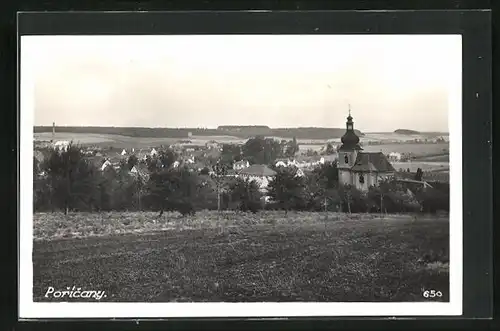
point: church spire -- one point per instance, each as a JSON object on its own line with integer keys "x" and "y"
{"x": 350, "y": 140}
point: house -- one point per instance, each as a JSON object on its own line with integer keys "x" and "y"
{"x": 309, "y": 161}
{"x": 394, "y": 157}
{"x": 124, "y": 152}
{"x": 286, "y": 162}
{"x": 259, "y": 173}
{"x": 106, "y": 164}
{"x": 61, "y": 145}
{"x": 241, "y": 165}
{"x": 357, "y": 168}
{"x": 139, "y": 172}
{"x": 153, "y": 152}
{"x": 212, "y": 144}
{"x": 189, "y": 160}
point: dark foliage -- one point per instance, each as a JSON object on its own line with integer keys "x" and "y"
{"x": 246, "y": 194}
{"x": 67, "y": 180}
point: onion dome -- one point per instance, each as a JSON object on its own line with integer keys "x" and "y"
{"x": 350, "y": 140}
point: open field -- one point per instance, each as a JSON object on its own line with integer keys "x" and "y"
{"x": 369, "y": 136}
{"x": 119, "y": 141}
{"x": 416, "y": 149}
{"x": 431, "y": 152}
{"x": 425, "y": 166}
{"x": 264, "y": 257}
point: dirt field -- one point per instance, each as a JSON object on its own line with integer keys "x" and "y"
{"x": 265, "y": 257}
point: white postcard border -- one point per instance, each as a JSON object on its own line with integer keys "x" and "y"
{"x": 29, "y": 309}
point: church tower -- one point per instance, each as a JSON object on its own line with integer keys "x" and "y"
{"x": 348, "y": 152}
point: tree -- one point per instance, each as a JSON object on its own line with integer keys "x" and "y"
{"x": 167, "y": 158}
{"x": 288, "y": 190}
{"x": 172, "y": 189}
{"x": 163, "y": 160}
{"x": 220, "y": 171}
{"x": 261, "y": 150}
{"x": 330, "y": 149}
{"x": 246, "y": 194}
{"x": 379, "y": 195}
{"x": 230, "y": 153}
{"x": 329, "y": 173}
{"x": 132, "y": 161}
{"x": 205, "y": 171}
{"x": 292, "y": 148}
{"x": 419, "y": 174}
{"x": 73, "y": 180}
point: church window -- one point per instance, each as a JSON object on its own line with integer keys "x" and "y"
{"x": 361, "y": 179}
{"x": 346, "y": 158}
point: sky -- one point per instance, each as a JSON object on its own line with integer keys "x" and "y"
{"x": 390, "y": 82}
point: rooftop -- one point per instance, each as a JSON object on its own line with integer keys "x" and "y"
{"x": 260, "y": 170}
{"x": 376, "y": 162}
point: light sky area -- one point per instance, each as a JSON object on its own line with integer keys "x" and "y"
{"x": 391, "y": 82}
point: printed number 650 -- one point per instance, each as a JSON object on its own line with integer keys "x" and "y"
{"x": 432, "y": 294}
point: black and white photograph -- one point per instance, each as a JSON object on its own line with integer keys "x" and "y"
{"x": 240, "y": 175}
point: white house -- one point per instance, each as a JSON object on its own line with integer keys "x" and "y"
{"x": 123, "y": 152}
{"x": 153, "y": 152}
{"x": 394, "y": 157}
{"x": 105, "y": 165}
{"x": 212, "y": 144}
{"x": 311, "y": 162}
{"x": 260, "y": 174}
{"x": 241, "y": 165}
{"x": 286, "y": 163}
{"x": 61, "y": 145}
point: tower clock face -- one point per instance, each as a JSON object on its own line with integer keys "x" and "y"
{"x": 346, "y": 158}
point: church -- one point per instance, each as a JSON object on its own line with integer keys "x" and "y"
{"x": 357, "y": 168}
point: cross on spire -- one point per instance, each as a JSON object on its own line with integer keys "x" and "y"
{"x": 349, "y": 109}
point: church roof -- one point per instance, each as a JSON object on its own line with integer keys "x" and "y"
{"x": 376, "y": 162}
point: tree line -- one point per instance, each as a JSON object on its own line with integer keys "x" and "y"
{"x": 241, "y": 132}
{"x": 72, "y": 182}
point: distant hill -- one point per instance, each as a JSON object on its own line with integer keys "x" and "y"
{"x": 405, "y": 131}
{"x": 237, "y": 131}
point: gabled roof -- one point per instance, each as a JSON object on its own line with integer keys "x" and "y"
{"x": 376, "y": 162}
{"x": 260, "y": 170}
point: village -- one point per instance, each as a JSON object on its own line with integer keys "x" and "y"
{"x": 356, "y": 167}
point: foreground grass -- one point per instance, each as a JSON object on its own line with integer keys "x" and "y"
{"x": 265, "y": 257}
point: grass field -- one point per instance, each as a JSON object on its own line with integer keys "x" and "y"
{"x": 265, "y": 257}
{"x": 119, "y": 141}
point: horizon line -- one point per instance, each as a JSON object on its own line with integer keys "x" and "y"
{"x": 229, "y": 125}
